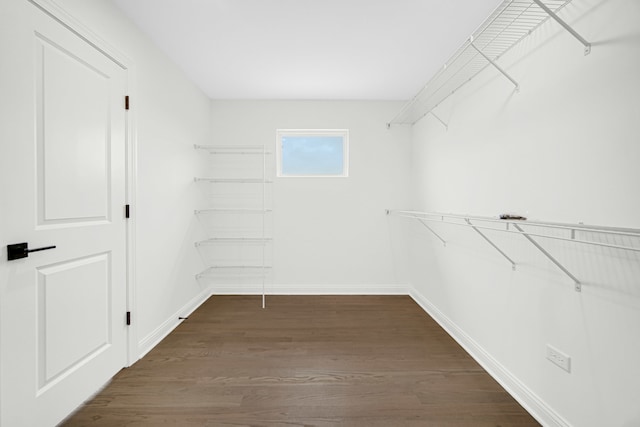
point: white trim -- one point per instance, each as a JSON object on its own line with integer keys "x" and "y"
{"x": 131, "y": 196}
{"x": 539, "y": 409}
{"x": 58, "y": 13}
{"x": 344, "y": 133}
{"x": 162, "y": 331}
{"x": 306, "y": 289}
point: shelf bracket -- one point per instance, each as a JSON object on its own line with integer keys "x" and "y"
{"x": 433, "y": 232}
{"x": 578, "y": 285}
{"x": 497, "y": 67}
{"x": 513, "y": 264}
{"x": 446, "y": 126}
{"x": 586, "y": 44}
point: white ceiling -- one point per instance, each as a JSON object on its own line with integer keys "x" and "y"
{"x": 309, "y": 49}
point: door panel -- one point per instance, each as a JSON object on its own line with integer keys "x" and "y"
{"x": 63, "y": 330}
{"x": 72, "y": 124}
{"x": 65, "y": 342}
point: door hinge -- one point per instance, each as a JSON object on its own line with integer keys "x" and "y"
{"x": 128, "y": 318}
{"x": 126, "y": 211}
{"x": 126, "y": 102}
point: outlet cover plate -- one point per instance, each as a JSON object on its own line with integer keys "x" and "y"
{"x": 559, "y": 358}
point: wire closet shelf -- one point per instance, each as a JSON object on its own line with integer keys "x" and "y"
{"x": 509, "y": 23}
{"x": 249, "y": 205}
{"x": 533, "y": 231}
{"x": 233, "y": 149}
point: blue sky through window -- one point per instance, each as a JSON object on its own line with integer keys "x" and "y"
{"x": 312, "y": 155}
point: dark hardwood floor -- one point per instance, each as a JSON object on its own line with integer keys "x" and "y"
{"x": 305, "y": 361}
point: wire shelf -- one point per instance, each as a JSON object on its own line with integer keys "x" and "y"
{"x": 509, "y": 23}
{"x": 246, "y": 205}
{"x": 234, "y": 180}
{"x": 218, "y": 240}
{"x": 242, "y": 211}
{"x": 235, "y": 271}
{"x": 529, "y": 230}
{"x": 233, "y": 149}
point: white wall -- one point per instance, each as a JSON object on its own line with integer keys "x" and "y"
{"x": 565, "y": 148}
{"x": 331, "y": 235}
{"x": 171, "y": 115}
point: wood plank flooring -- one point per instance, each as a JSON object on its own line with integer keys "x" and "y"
{"x": 305, "y": 361}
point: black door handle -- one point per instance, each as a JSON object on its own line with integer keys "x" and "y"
{"x": 21, "y": 250}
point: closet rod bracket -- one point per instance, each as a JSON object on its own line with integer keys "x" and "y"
{"x": 585, "y": 43}
{"x": 578, "y": 285}
{"x": 513, "y": 264}
{"x": 496, "y": 66}
{"x": 446, "y": 126}
{"x": 433, "y": 232}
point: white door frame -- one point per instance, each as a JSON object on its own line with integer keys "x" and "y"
{"x": 59, "y": 14}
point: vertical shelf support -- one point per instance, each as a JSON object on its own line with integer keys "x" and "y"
{"x": 578, "y": 285}
{"x": 513, "y": 264}
{"x": 264, "y": 208}
{"x": 586, "y": 44}
{"x": 492, "y": 62}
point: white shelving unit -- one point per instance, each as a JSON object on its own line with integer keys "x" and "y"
{"x": 237, "y": 221}
{"x": 535, "y": 232}
{"x": 510, "y": 22}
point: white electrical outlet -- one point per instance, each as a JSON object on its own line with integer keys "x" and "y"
{"x": 559, "y": 358}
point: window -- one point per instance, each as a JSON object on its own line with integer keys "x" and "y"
{"x": 312, "y": 153}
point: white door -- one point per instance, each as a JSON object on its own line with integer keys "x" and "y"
{"x": 62, "y": 182}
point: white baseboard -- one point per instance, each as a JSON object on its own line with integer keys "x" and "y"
{"x": 314, "y": 289}
{"x": 529, "y": 400}
{"x": 151, "y": 340}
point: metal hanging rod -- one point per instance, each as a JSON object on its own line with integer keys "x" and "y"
{"x": 518, "y": 225}
{"x": 510, "y": 22}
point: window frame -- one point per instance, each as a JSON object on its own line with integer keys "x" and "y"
{"x": 344, "y": 133}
